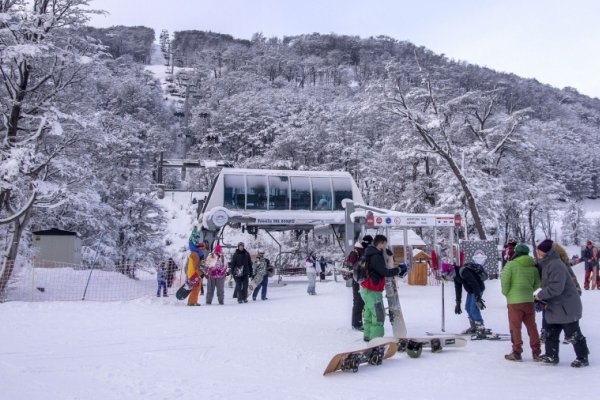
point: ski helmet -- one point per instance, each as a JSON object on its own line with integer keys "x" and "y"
{"x": 414, "y": 349}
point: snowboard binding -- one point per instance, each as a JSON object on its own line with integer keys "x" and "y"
{"x": 376, "y": 356}
{"x": 351, "y": 363}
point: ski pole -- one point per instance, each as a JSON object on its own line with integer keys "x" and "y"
{"x": 443, "y": 308}
{"x": 92, "y": 267}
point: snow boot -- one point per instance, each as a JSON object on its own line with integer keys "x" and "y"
{"x": 471, "y": 330}
{"x": 550, "y": 360}
{"x": 514, "y": 356}
{"x": 543, "y": 336}
{"x": 480, "y": 331}
{"x": 580, "y": 362}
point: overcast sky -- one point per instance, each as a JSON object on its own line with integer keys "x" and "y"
{"x": 554, "y": 41}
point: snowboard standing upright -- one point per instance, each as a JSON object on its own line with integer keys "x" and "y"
{"x": 394, "y": 309}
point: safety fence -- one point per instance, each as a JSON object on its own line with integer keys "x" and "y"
{"x": 52, "y": 281}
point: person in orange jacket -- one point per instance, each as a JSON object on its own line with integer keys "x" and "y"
{"x": 194, "y": 266}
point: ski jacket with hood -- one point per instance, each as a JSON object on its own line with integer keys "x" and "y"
{"x": 377, "y": 270}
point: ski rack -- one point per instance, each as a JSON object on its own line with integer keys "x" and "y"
{"x": 359, "y": 216}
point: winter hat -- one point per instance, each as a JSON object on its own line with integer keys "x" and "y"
{"x": 240, "y": 244}
{"x": 218, "y": 249}
{"x": 368, "y": 239}
{"x": 522, "y": 249}
{"x": 545, "y": 246}
{"x": 588, "y": 243}
{"x": 357, "y": 245}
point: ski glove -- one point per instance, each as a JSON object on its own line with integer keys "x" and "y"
{"x": 403, "y": 270}
{"x": 480, "y": 303}
{"x": 457, "y": 309}
{"x": 539, "y": 305}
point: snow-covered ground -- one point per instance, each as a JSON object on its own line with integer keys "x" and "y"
{"x": 157, "y": 348}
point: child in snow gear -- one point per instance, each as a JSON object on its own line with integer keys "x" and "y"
{"x": 311, "y": 272}
{"x": 161, "y": 277}
{"x": 215, "y": 271}
{"x": 520, "y": 279}
{"x": 467, "y": 276}
{"x": 563, "y": 306}
{"x": 357, "y": 301}
{"x": 372, "y": 288}
{"x": 241, "y": 269}
{"x": 260, "y": 280}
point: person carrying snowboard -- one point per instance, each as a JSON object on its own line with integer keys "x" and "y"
{"x": 372, "y": 288}
{"x": 520, "y": 278}
{"x": 467, "y": 276}
{"x": 193, "y": 270}
{"x": 262, "y": 266}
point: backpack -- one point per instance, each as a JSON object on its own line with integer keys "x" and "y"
{"x": 478, "y": 269}
{"x": 360, "y": 271}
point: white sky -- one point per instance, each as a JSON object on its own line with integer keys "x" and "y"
{"x": 554, "y": 41}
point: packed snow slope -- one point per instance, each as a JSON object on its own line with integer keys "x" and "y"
{"x": 158, "y": 348}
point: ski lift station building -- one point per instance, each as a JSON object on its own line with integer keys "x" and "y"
{"x": 277, "y": 199}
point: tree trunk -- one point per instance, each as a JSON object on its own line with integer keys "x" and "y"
{"x": 532, "y": 229}
{"x": 11, "y": 251}
{"x": 468, "y": 195}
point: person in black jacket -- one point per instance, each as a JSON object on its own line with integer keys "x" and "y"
{"x": 371, "y": 288}
{"x": 465, "y": 276}
{"x": 241, "y": 269}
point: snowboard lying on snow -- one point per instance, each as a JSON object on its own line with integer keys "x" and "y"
{"x": 374, "y": 354}
{"x": 489, "y": 335}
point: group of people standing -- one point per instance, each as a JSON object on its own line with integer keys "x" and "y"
{"x": 213, "y": 267}
{"x": 548, "y": 286}
{"x": 368, "y": 310}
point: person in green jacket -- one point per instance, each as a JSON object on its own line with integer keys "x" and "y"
{"x": 520, "y": 278}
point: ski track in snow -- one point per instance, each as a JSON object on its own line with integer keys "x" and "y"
{"x": 157, "y": 348}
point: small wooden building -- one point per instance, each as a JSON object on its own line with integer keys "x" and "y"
{"x": 56, "y": 247}
{"x": 418, "y": 275}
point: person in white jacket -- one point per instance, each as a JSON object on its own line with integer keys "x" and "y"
{"x": 311, "y": 271}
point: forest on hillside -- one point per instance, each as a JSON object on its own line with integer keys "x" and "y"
{"x": 419, "y": 132}
{"x": 83, "y": 124}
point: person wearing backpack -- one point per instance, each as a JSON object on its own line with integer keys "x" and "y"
{"x": 471, "y": 277}
{"x": 519, "y": 279}
{"x": 372, "y": 288}
{"x": 357, "y": 302}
